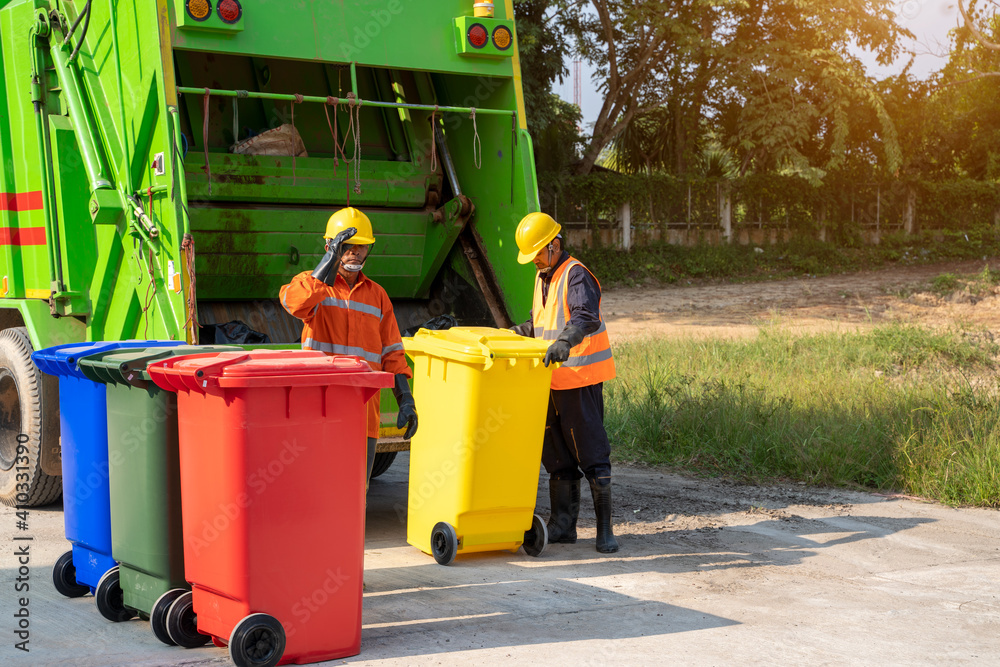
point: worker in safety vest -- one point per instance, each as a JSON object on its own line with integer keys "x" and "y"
{"x": 345, "y": 312}
{"x": 567, "y": 310}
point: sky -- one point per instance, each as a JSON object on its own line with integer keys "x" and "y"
{"x": 928, "y": 20}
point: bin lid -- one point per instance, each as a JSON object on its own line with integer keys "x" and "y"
{"x": 264, "y": 368}
{"x": 474, "y": 345}
{"x": 129, "y": 367}
{"x": 63, "y": 360}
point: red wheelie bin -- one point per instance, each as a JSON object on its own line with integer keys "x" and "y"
{"x": 272, "y": 463}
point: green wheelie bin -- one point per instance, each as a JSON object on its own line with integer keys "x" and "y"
{"x": 144, "y": 480}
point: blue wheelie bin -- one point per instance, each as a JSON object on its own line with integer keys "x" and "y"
{"x": 83, "y": 424}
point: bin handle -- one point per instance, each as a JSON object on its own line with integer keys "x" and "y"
{"x": 166, "y": 377}
{"x": 210, "y": 371}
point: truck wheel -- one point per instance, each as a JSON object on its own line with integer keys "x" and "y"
{"x": 382, "y": 462}
{"x": 22, "y": 423}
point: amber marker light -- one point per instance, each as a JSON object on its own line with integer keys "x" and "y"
{"x": 199, "y": 10}
{"x": 502, "y": 38}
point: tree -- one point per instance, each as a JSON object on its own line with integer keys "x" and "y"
{"x": 642, "y": 145}
{"x": 981, "y": 22}
{"x": 776, "y": 80}
{"x": 543, "y": 54}
{"x": 552, "y": 122}
{"x": 965, "y": 135}
{"x": 626, "y": 41}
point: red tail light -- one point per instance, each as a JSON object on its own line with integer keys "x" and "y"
{"x": 478, "y": 35}
{"x": 230, "y": 11}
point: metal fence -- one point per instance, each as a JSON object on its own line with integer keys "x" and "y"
{"x": 618, "y": 210}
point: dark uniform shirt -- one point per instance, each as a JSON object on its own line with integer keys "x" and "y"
{"x": 583, "y": 296}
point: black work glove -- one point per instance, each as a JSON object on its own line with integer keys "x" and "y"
{"x": 326, "y": 270}
{"x": 407, "y": 406}
{"x": 568, "y": 338}
{"x": 526, "y": 329}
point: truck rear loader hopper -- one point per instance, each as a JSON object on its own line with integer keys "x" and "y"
{"x": 169, "y": 164}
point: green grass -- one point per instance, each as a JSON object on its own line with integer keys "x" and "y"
{"x": 946, "y": 283}
{"x": 978, "y": 284}
{"x": 665, "y": 263}
{"x": 898, "y": 408}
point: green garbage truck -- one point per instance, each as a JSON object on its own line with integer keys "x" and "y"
{"x": 167, "y": 165}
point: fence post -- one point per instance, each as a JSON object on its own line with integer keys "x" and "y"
{"x": 878, "y": 215}
{"x": 821, "y": 219}
{"x": 725, "y": 210}
{"x": 626, "y": 216}
{"x": 910, "y": 215}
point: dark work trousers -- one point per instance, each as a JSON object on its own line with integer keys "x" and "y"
{"x": 576, "y": 443}
{"x": 371, "y": 460}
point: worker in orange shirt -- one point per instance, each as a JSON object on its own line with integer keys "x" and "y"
{"x": 345, "y": 312}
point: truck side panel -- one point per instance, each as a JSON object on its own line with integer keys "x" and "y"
{"x": 24, "y": 235}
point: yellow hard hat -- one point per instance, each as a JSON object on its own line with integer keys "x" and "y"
{"x": 351, "y": 217}
{"x": 534, "y": 232}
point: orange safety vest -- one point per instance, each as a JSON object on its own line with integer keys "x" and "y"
{"x": 343, "y": 320}
{"x": 590, "y": 362}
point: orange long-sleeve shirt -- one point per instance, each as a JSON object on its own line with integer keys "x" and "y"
{"x": 355, "y": 320}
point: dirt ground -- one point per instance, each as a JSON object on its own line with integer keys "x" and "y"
{"x": 806, "y": 305}
{"x": 710, "y": 572}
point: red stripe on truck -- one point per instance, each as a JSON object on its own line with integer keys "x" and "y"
{"x": 22, "y": 236}
{"x": 21, "y": 201}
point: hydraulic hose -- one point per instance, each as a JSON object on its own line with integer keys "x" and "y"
{"x": 83, "y": 35}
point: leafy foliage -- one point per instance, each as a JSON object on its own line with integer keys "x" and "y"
{"x": 777, "y": 83}
{"x": 543, "y": 56}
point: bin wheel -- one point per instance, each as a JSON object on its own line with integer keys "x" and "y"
{"x": 382, "y": 462}
{"x": 444, "y": 543}
{"x": 29, "y": 424}
{"x": 64, "y": 577}
{"x": 257, "y": 641}
{"x": 182, "y": 622}
{"x": 158, "y": 615}
{"x": 110, "y": 601}
{"x": 536, "y": 539}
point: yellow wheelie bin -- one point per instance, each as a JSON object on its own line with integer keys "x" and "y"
{"x": 482, "y": 396}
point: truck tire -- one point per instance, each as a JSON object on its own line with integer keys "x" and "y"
{"x": 382, "y": 462}
{"x": 22, "y": 422}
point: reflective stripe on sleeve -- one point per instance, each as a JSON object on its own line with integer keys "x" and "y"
{"x": 333, "y": 348}
{"x": 391, "y": 348}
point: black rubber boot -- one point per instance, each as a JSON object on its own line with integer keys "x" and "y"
{"x": 601, "y": 490}
{"x": 564, "y": 496}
